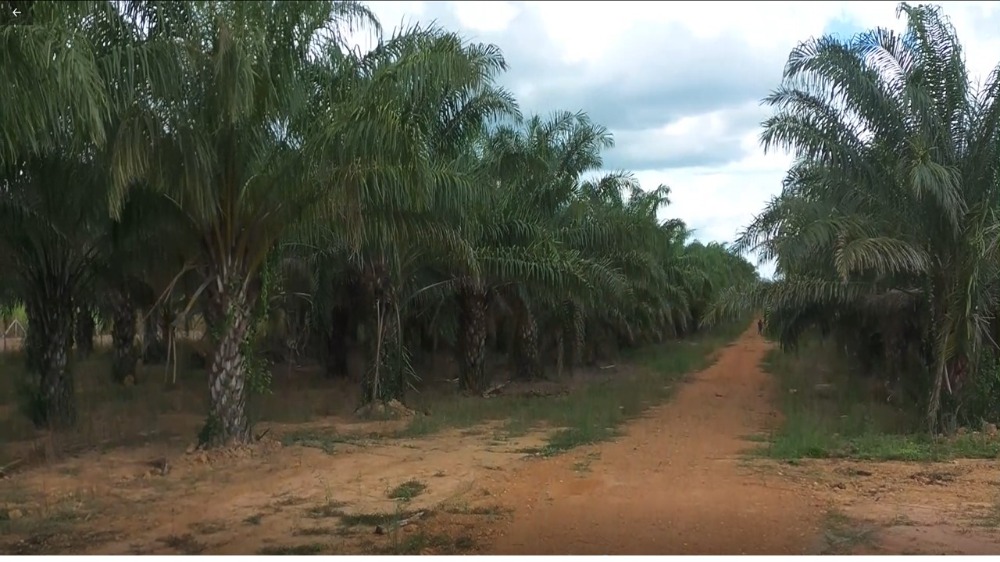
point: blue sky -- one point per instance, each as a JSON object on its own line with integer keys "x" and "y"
{"x": 678, "y": 83}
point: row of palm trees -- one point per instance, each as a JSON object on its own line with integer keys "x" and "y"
{"x": 886, "y": 232}
{"x": 238, "y": 162}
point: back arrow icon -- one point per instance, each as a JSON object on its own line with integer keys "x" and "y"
{"x": 16, "y": 12}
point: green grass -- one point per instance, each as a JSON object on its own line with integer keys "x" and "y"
{"x": 407, "y": 490}
{"x": 592, "y": 412}
{"x": 326, "y": 440}
{"x": 847, "y": 422}
{"x": 293, "y": 550}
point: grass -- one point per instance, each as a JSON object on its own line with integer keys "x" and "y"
{"x": 407, "y": 490}
{"x": 185, "y": 544}
{"x": 421, "y": 542}
{"x": 328, "y": 509}
{"x": 326, "y": 440}
{"x": 294, "y": 550}
{"x": 845, "y": 422}
{"x": 589, "y": 413}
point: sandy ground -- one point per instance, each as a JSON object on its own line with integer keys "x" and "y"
{"x": 677, "y": 482}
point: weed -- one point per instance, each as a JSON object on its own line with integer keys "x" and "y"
{"x": 407, "y": 490}
{"x": 185, "y": 544}
{"x": 328, "y": 509}
{"x": 292, "y": 550}
{"x": 372, "y": 519}
{"x": 324, "y": 440}
{"x": 419, "y": 542}
{"x": 314, "y": 531}
{"x": 465, "y": 509}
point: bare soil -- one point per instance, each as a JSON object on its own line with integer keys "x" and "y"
{"x": 678, "y": 482}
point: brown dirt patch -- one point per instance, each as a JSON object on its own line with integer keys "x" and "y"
{"x": 907, "y": 508}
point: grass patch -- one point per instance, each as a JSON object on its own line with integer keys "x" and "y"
{"x": 292, "y": 550}
{"x": 841, "y": 420}
{"x": 329, "y": 509}
{"x": 407, "y": 490}
{"x": 421, "y": 542}
{"x": 372, "y": 519}
{"x": 185, "y": 544}
{"x": 314, "y": 531}
{"x": 590, "y": 413}
{"x": 484, "y": 510}
{"x": 325, "y": 440}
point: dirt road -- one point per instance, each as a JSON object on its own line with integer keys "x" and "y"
{"x": 675, "y": 484}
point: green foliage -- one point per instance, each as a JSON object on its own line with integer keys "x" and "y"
{"x": 249, "y": 159}
{"x": 885, "y": 234}
{"x": 258, "y": 368}
{"x": 830, "y": 412}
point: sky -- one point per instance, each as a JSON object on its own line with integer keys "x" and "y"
{"x": 679, "y": 84}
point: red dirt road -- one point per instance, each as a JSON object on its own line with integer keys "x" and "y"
{"x": 675, "y": 483}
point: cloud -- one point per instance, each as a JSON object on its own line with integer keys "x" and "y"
{"x": 696, "y": 140}
{"x": 678, "y": 83}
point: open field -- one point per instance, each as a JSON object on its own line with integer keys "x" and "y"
{"x": 542, "y": 479}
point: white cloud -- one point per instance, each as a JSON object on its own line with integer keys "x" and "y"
{"x": 608, "y": 47}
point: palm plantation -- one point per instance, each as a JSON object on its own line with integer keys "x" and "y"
{"x": 237, "y": 164}
{"x": 885, "y": 234}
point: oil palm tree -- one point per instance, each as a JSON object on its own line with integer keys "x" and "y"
{"x": 232, "y": 149}
{"x": 890, "y": 207}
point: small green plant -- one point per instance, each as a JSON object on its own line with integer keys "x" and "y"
{"x": 407, "y": 490}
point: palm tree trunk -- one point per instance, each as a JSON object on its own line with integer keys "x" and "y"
{"x": 84, "y": 332}
{"x": 122, "y": 337}
{"x": 227, "y": 319}
{"x": 384, "y": 379}
{"x": 335, "y": 351}
{"x": 940, "y": 370}
{"x": 560, "y": 353}
{"x": 154, "y": 347}
{"x": 576, "y": 336}
{"x": 50, "y": 320}
{"x": 527, "y": 364}
{"x": 472, "y": 340}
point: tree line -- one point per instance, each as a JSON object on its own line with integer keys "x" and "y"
{"x": 242, "y": 163}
